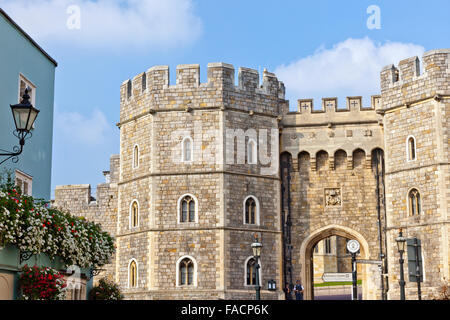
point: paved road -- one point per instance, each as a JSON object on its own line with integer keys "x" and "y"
{"x": 337, "y": 297}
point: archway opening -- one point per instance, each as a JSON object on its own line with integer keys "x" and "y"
{"x": 332, "y": 270}
{"x": 310, "y": 274}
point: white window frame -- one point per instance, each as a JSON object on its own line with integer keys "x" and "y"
{"x": 29, "y": 84}
{"x": 183, "y": 151}
{"x": 23, "y": 177}
{"x": 33, "y": 92}
{"x": 137, "y": 273}
{"x": 131, "y": 213}
{"x": 257, "y": 218}
{"x": 178, "y": 285}
{"x": 259, "y": 273}
{"x": 179, "y": 208}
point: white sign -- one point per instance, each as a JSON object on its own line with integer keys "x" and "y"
{"x": 337, "y": 277}
{"x": 353, "y": 246}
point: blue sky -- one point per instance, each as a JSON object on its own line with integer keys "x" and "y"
{"x": 318, "y": 48}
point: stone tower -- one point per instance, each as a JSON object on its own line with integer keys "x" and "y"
{"x": 189, "y": 162}
{"x": 416, "y": 109}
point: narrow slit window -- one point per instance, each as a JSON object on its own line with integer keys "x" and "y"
{"x": 250, "y": 211}
{"x": 136, "y": 157}
{"x": 411, "y": 149}
{"x": 414, "y": 202}
{"x": 134, "y": 215}
{"x": 133, "y": 274}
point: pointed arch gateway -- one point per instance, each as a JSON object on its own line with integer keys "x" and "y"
{"x": 306, "y": 253}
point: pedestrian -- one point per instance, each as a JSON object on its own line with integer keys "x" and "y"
{"x": 298, "y": 290}
{"x": 287, "y": 292}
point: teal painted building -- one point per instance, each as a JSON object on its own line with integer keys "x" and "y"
{"x": 23, "y": 63}
{"x": 12, "y": 260}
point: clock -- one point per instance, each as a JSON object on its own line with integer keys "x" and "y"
{"x": 353, "y": 246}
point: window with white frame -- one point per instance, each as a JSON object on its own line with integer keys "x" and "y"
{"x": 24, "y": 84}
{"x": 132, "y": 274}
{"x": 186, "y": 271}
{"x": 187, "y": 208}
{"x": 251, "y": 210}
{"x": 24, "y": 182}
{"x": 250, "y": 271}
{"x": 134, "y": 214}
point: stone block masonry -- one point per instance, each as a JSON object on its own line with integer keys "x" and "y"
{"x": 176, "y": 198}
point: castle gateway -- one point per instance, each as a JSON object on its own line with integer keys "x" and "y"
{"x": 204, "y": 167}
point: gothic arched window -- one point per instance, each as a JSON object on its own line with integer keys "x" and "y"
{"x": 411, "y": 148}
{"x": 251, "y": 210}
{"x": 251, "y": 272}
{"x": 134, "y": 214}
{"x": 132, "y": 274}
{"x": 187, "y": 209}
{"x": 414, "y": 202}
{"x": 186, "y": 272}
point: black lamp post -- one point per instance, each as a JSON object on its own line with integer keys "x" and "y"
{"x": 24, "y": 115}
{"x": 401, "y": 241}
{"x": 256, "y": 247}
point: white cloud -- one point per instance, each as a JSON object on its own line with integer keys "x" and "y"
{"x": 108, "y": 24}
{"x": 349, "y": 68}
{"x": 75, "y": 128}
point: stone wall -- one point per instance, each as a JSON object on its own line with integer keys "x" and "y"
{"x": 102, "y": 209}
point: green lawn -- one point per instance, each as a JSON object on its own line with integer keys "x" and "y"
{"x": 329, "y": 284}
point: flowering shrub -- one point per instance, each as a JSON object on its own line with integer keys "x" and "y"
{"x": 105, "y": 290}
{"x": 41, "y": 284}
{"x": 33, "y": 227}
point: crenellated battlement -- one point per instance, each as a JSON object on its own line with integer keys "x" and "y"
{"x": 330, "y": 105}
{"x": 331, "y": 114}
{"x": 219, "y": 75}
{"x": 151, "y": 91}
{"x": 405, "y": 84}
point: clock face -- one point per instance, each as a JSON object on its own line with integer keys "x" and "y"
{"x": 353, "y": 246}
